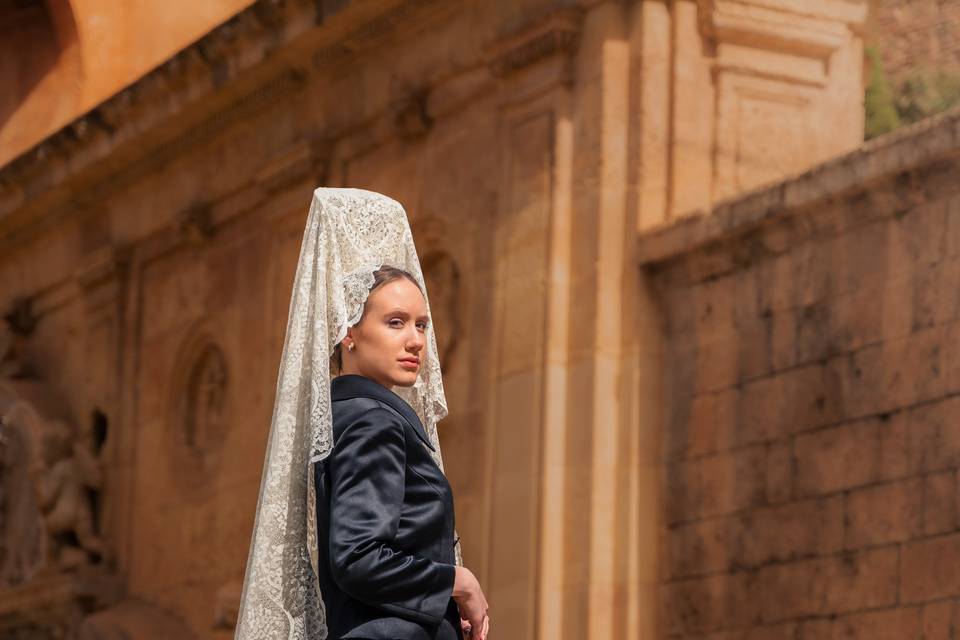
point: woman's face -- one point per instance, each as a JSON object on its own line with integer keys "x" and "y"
{"x": 388, "y": 341}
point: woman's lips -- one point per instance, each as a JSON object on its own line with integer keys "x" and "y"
{"x": 410, "y": 364}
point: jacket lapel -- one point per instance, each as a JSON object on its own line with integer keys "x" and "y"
{"x": 355, "y": 386}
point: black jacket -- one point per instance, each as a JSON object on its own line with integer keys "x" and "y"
{"x": 385, "y": 522}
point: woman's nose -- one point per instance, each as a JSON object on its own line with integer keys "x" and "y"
{"x": 416, "y": 341}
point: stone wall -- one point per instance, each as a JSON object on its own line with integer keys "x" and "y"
{"x": 916, "y": 34}
{"x": 812, "y": 444}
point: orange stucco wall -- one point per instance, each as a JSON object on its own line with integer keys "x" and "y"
{"x": 62, "y": 59}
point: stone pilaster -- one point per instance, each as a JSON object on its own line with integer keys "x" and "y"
{"x": 527, "y": 537}
{"x": 776, "y": 70}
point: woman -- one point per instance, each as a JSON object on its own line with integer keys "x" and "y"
{"x": 354, "y": 528}
{"x": 385, "y": 510}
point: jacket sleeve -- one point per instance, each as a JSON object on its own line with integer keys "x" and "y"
{"x": 367, "y": 477}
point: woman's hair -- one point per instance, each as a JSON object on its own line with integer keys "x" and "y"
{"x": 381, "y": 276}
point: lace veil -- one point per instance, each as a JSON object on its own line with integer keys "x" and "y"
{"x": 350, "y": 233}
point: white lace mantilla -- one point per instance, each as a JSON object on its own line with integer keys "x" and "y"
{"x": 350, "y": 233}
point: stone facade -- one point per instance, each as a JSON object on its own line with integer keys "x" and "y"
{"x": 148, "y": 250}
{"x": 922, "y": 34}
{"x": 810, "y": 451}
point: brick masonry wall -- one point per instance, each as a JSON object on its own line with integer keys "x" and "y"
{"x": 915, "y": 33}
{"x": 812, "y": 445}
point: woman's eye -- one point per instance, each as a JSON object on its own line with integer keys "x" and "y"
{"x": 422, "y": 326}
{"x": 396, "y": 322}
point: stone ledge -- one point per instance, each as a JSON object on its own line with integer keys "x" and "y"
{"x": 899, "y": 153}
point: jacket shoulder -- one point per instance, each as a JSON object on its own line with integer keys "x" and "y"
{"x": 348, "y": 411}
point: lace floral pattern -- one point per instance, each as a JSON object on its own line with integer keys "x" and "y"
{"x": 350, "y": 233}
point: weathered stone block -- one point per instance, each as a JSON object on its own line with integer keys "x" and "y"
{"x": 940, "y": 502}
{"x": 702, "y": 547}
{"x": 888, "y": 624}
{"x": 780, "y": 472}
{"x": 715, "y": 485}
{"x": 709, "y": 604}
{"x": 934, "y": 436}
{"x": 929, "y": 569}
{"x": 940, "y": 620}
{"x": 884, "y": 513}
{"x": 792, "y": 531}
{"x": 837, "y": 458}
{"x": 834, "y": 584}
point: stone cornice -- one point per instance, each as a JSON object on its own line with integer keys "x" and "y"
{"x": 773, "y": 218}
{"x": 813, "y": 28}
{"x": 249, "y": 62}
{"x": 238, "y": 44}
{"x": 369, "y": 34}
{"x": 555, "y": 33}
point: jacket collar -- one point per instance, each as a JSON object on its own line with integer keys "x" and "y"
{"x": 356, "y": 386}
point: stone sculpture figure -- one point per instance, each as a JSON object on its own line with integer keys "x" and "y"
{"x": 62, "y": 475}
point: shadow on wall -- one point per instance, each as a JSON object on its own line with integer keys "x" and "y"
{"x": 36, "y": 38}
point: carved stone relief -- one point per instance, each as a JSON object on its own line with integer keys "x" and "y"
{"x": 199, "y": 417}
{"x": 51, "y": 481}
{"x": 51, "y": 476}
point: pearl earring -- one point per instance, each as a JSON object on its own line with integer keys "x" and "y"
{"x": 350, "y": 346}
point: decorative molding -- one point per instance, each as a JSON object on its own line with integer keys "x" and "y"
{"x": 371, "y": 33}
{"x": 125, "y": 123}
{"x": 236, "y": 45}
{"x": 556, "y": 33}
{"x": 803, "y": 33}
{"x": 102, "y": 265}
{"x": 310, "y": 158}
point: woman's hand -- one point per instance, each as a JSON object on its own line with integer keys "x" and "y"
{"x": 469, "y": 597}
